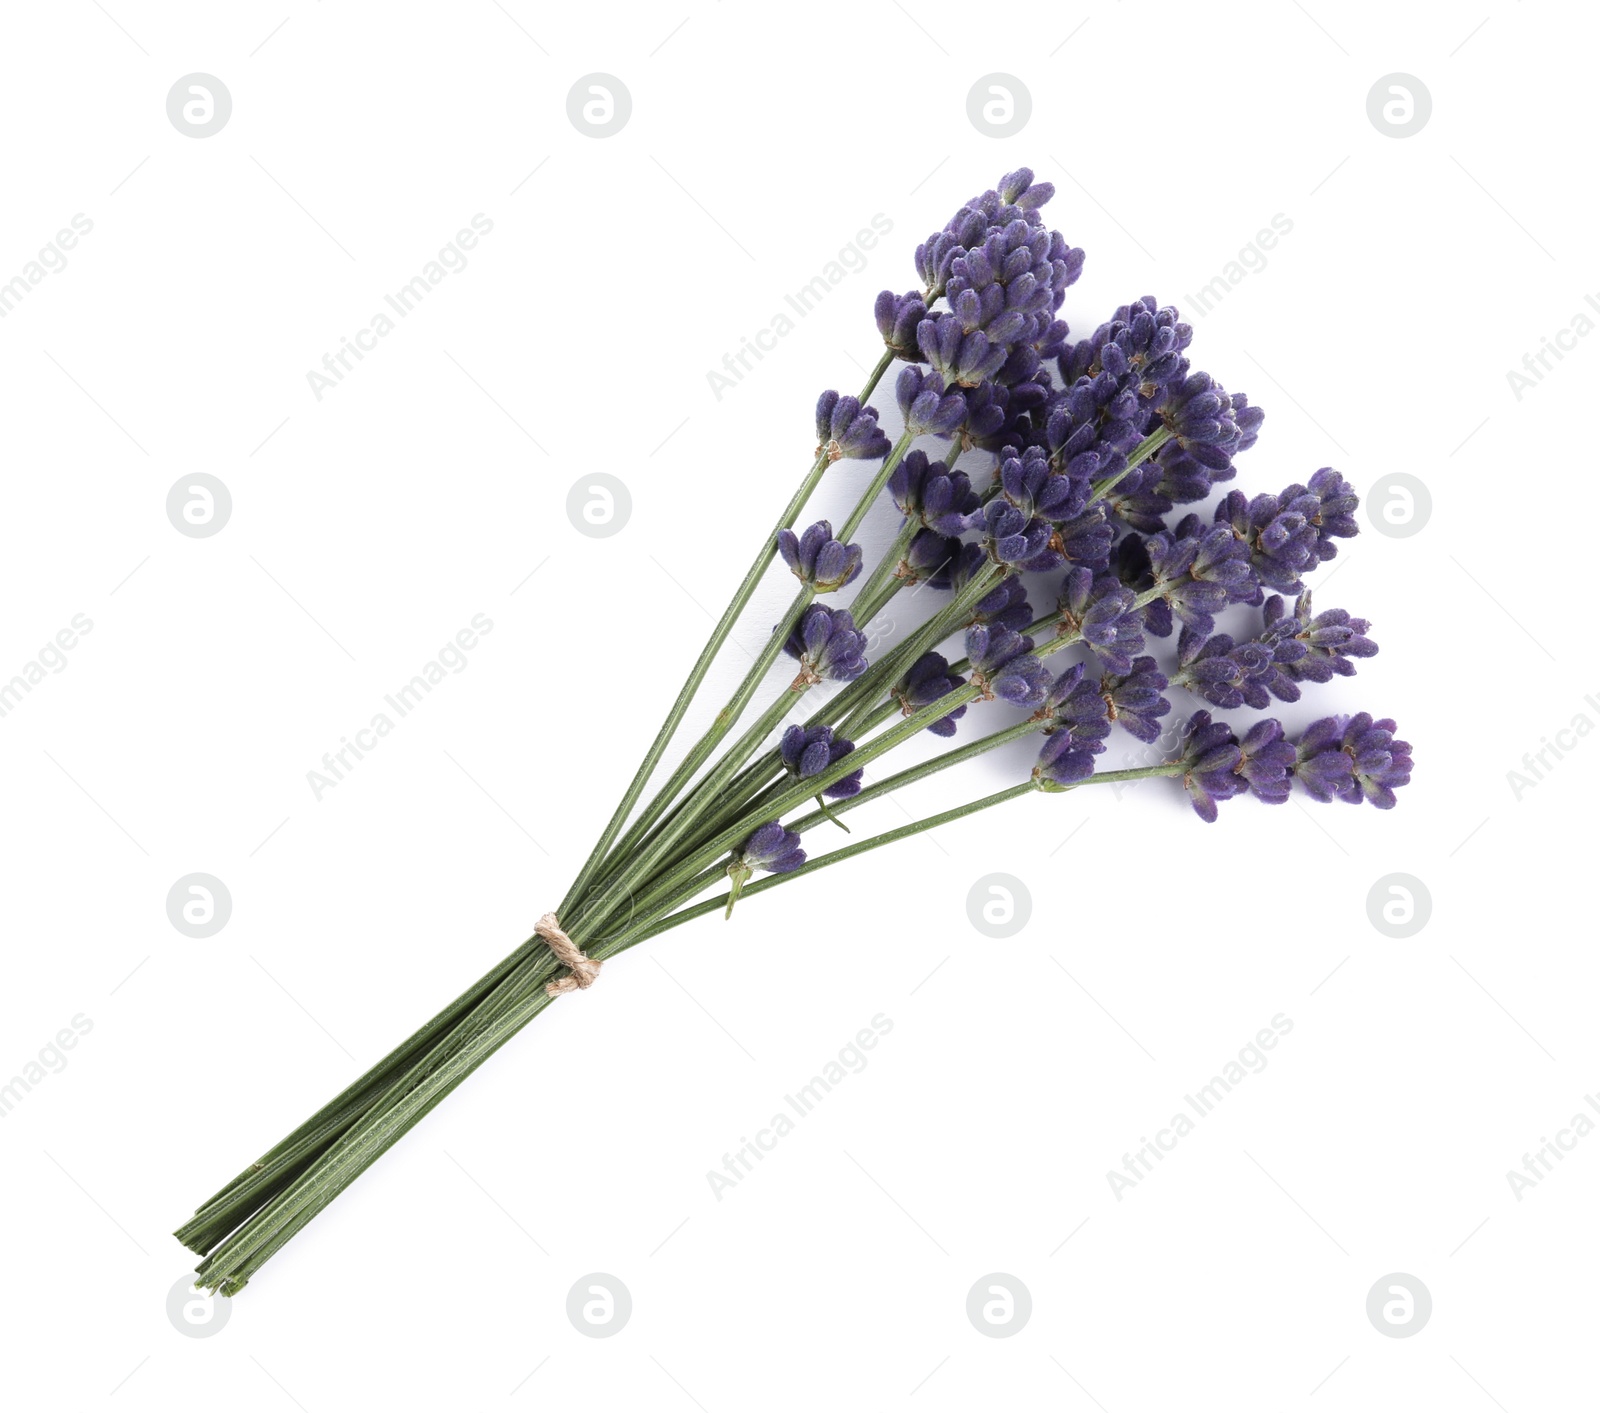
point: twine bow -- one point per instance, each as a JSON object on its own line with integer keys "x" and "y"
{"x": 581, "y": 972}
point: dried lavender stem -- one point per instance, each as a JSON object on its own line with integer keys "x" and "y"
{"x": 719, "y": 635}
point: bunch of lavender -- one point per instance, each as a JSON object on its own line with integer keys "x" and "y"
{"x": 1064, "y": 554}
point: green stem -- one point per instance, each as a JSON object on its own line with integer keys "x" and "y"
{"x": 849, "y": 851}
{"x": 867, "y": 601}
{"x": 1143, "y": 772}
{"x": 702, "y": 665}
{"x": 641, "y": 828}
{"x": 664, "y": 883}
{"x": 752, "y": 787}
{"x": 1137, "y": 457}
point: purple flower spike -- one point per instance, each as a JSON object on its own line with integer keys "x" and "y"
{"x": 1018, "y": 188}
{"x": 898, "y": 317}
{"x": 819, "y": 560}
{"x": 938, "y": 498}
{"x": 1064, "y": 761}
{"x": 828, "y": 646}
{"x": 1102, "y": 612}
{"x": 1210, "y": 757}
{"x": 1290, "y": 534}
{"x": 1016, "y": 539}
{"x": 846, "y": 428}
{"x": 927, "y": 408}
{"x": 1352, "y": 759}
{"x": 1030, "y": 484}
{"x": 1007, "y": 606}
{"x": 808, "y": 751}
{"x": 961, "y": 358}
{"x": 1078, "y": 726}
{"x": 1003, "y": 665}
{"x": 1134, "y": 701}
{"x": 929, "y": 559}
{"x": 1013, "y": 211}
{"x": 1199, "y": 413}
{"x": 927, "y": 680}
{"x": 771, "y": 847}
{"x": 1265, "y": 761}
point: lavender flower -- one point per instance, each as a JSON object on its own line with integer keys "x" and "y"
{"x": 1086, "y": 540}
{"x": 810, "y": 750}
{"x": 1290, "y": 534}
{"x": 1016, "y": 539}
{"x": 846, "y": 428}
{"x": 1091, "y": 425}
{"x": 1133, "y": 699}
{"x": 962, "y": 359}
{"x": 1265, "y": 760}
{"x": 927, "y": 680}
{"x": 1330, "y": 641}
{"x": 1199, "y": 413}
{"x": 819, "y": 560}
{"x": 1103, "y": 614}
{"x": 934, "y": 496}
{"x": 1229, "y": 674}
{"x": 1211, "y": 754}
{"x": 1033, "y": 487}
{"x": 828, "y": 646}
{"x": 987, "y": 363}
{"x": 927, "y": 408}
{"x": 1352, "y": 758}
{"x": 898, "y": 317}
{"x": 771, "y": 847}
{"x": 1196, "y": 571}
{"x": 1139, "y": 339}
{"x": 1079, "y": 725}
{"x": 929, "y": 558}
{"x": 1005, "y": 607}
{"x": 1003, "y": 666}
{"x": 1017, "y": 199}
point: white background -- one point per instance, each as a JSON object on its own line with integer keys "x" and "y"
{"x": 370, "y": 526}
